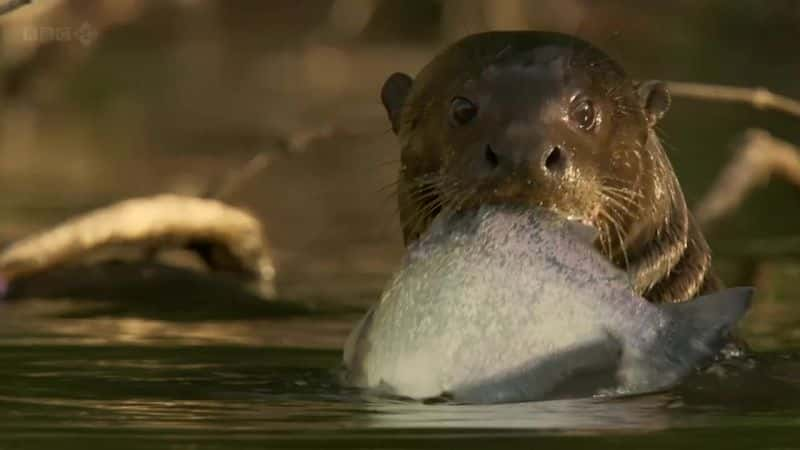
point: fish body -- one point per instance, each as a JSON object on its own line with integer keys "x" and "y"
{"x": 507, "y": 304}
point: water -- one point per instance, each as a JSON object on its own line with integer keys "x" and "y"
{"x": 121, "y": 381}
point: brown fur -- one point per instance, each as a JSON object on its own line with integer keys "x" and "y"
{"x": 625, "y": 187}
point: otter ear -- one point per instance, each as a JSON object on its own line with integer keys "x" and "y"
{"x": 393, "y": 95}
{"x": 655, "y": 100}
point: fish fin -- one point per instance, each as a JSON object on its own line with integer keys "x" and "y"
{"x": 700, "y": 329}
{"x": 578, "y": 372}
{"x": 713, "y": 315}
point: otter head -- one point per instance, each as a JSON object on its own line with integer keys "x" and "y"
{"x": 533, "y": 118}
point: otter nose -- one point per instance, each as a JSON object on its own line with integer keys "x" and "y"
{"x": 533, "y": 161}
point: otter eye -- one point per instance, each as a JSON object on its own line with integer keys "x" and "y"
{"x": 462, "y": 111}
{"x": 583, "y": 114}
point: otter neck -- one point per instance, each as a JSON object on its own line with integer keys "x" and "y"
{"x": 673, "y": 264}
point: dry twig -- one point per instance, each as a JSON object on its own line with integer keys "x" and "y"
{"x": 291, "y": 143}
{"x": 759, "y": 98}
{"x": 11, "y": 5}
{"x": 757, "y": 156}
{"x": 237, "y": 178}
{"x": 233, "y": 238}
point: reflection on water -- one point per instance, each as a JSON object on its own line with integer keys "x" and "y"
{"x": 42, "y": 322}
{"x": 224, "y": 384}
{"x": 642, "y": 413}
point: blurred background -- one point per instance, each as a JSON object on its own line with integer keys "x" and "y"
{"x": 103, "y": 100}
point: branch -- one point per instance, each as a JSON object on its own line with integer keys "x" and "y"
{"x": 228, "y": 238}
{"x": 11, "y": 5}
{"x": 292, "y": 143}
{"x": 759, "y": 98}
{"x": 757, "y": 156}
{"x": 237, "y": 178}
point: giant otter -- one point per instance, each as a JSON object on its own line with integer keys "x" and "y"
{"x": 545, "y": 119}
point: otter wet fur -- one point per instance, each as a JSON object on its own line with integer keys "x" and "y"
{"x": 547, "y": 120}
{"x": 509, "y": 303}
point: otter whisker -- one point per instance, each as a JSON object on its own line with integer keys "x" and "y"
{"x": 390, "y": 191}
{"x": 624, "y": 205}
{"x": 433, "y": 193}
{"x": 624, "y": 195}
{"x": 617, "y": 211}
{"x": 416, "y": 192}
{"x": 621, "y": 200}
{"x": 621, "y": 244}
{"x": 614, "y": 182}
{"x": 424, "y": 194}
{"x": 423, "y": 199}
{"x": 618, "y": 228}
{"x": 416, "y": 221}
{"x": 623, "y": 190}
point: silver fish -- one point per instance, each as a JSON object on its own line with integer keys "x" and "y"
{"x": 506, "y": 304}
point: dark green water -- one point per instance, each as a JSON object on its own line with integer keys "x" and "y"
{"x": 126, "y": 382}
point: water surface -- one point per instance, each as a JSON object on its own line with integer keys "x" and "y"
{"x": 121, "y": 381}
